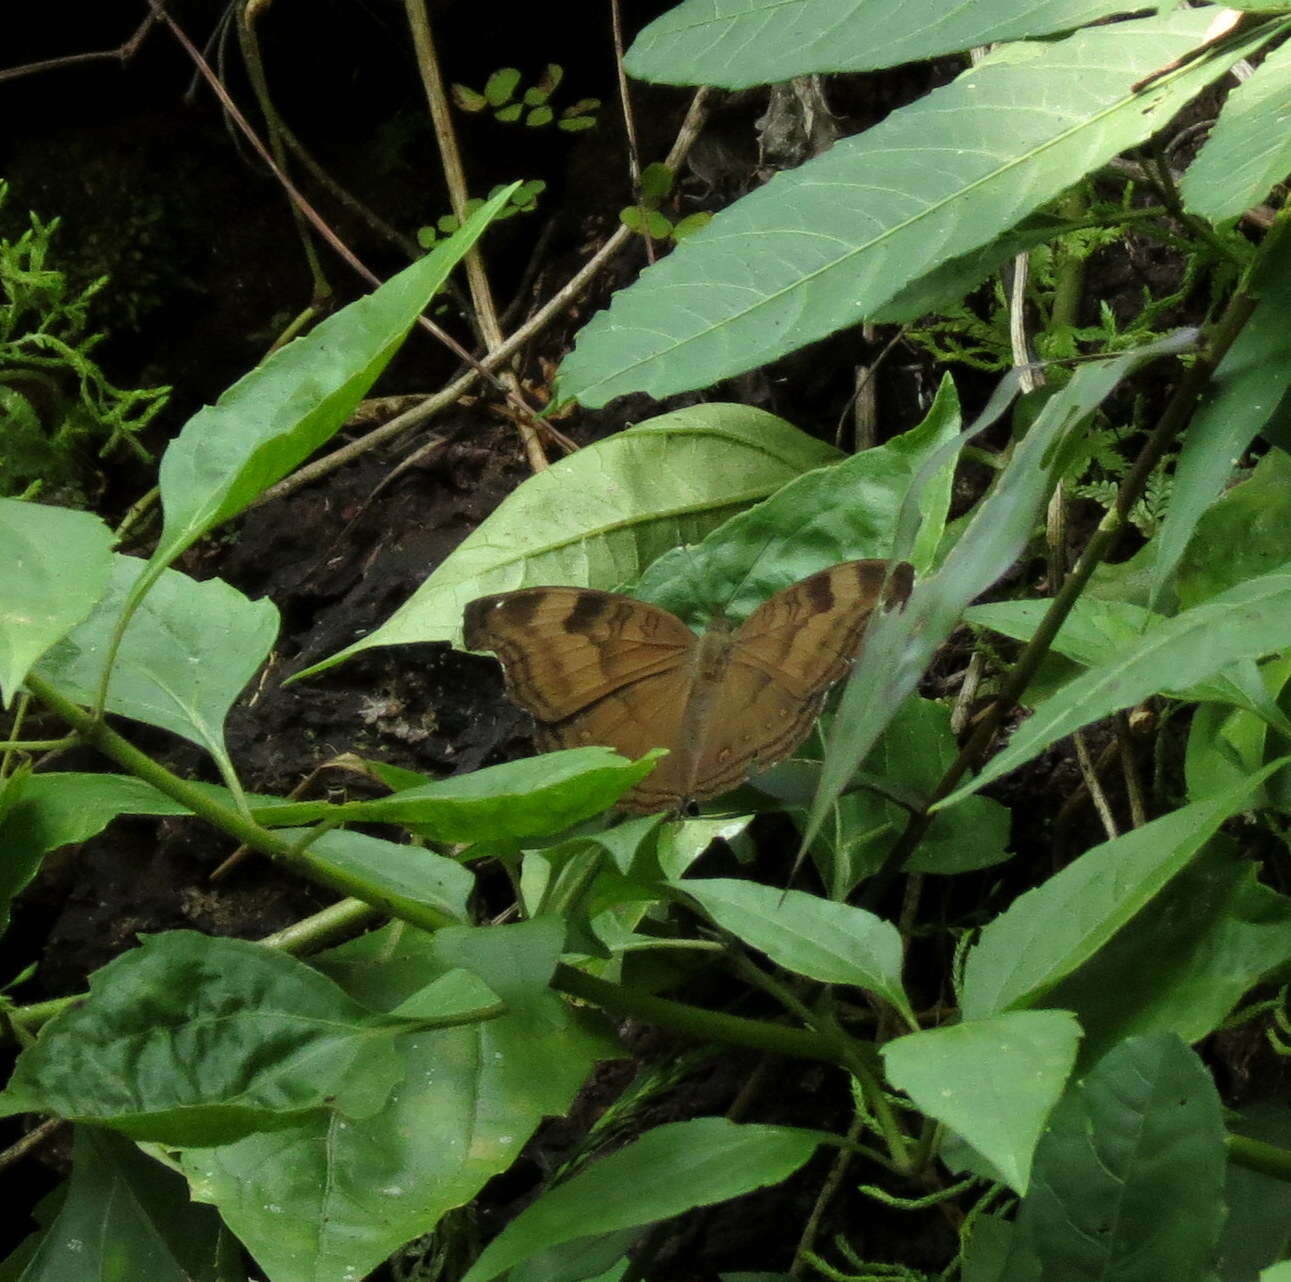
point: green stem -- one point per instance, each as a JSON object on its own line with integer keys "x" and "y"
{"x": 689, "y": 1020}
{"x": 1256, "y": 1155}
{"x": 1177, "y": 413}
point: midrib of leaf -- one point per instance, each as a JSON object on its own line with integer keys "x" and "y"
{"x": 1112, "y": 674}
{"x": 958, "y": 195}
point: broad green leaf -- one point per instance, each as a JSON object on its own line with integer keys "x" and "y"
{"x": 1245, "y": 622}
{"x": 1128, "y": 1180}
{"x": 841, "y": 512}
{"x": 532, "y": 798}
{"x": 125, "y": 1217}
{"x": 280, "y": 413}
{"x": 986, "y": 1249}
{"x": 832, "y": 242}
{"x": 1186, "y": 961}
{"x": 56, "y": 567}
{"x": 328, "y": 1199}
{"x": 396, "y": 874}
{"x": 1249, "y": 150}
{"x": 1050, "y": 931}
{"x": 515, "y": 961}
{"x": 824, "y": 940}
{"x": 188, "y": 652}
{"x": 53, "y": 810}
{"x": 1242, "y": 397}
{"x": 600, "y": 515}
{"x": 737, "y": 43}
{"x": 1280, "y": 1272}
{"x": 189, "y": 1039}
{"x": 994, "y": 1081}
{"x": 899, "y": 645}
{"x": 1244, "y": 534}
{"x": 668, "y": 1170}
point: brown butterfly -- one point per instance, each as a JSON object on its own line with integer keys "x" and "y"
{"x": 599, "y": 668}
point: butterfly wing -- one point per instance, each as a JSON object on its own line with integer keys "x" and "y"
{"x": 565, "y": 649}
{"x": 783, "y": 660}
{"x": 633, "y": 719}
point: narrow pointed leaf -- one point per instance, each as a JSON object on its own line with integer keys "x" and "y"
{"x": 668, "y": 1170}
{"x": 832, "y": 242}
{"x": 1052, "y": 930}
{"x": 738, "y": 43}
{"x": 1245, "y": 622}
{"x": 281, "y": 412}
{"x": 827, "y": 941}
{"x": 1249, "y": 150}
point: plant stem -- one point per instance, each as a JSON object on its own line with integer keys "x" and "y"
{"x": 1175, "y": 417}
{"x": 677, "y": 1016}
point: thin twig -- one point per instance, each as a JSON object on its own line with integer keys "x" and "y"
{"x": 538, "y": 322}
{"x": 122, "y": 54}
{"x": 629, "y": 124}
{"x": 486, "y": 312}
{"x": 318, "y": 222}
{"x": 1130, "y": 770}
{"x": 30, "y": 1142}
{"x": 1089, "y": 773}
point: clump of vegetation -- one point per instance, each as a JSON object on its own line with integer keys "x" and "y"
{"x": 58, "y": 410}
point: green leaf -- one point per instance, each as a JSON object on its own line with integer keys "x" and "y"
{"x": 829, "y": 243}
{"x": 1181, "y": 967}
{"x": 57, "y": 564}
{"x": 1128, "y": 1181}
{"x": 189, "y": 1040}
{"x": 536, "y": 797}
{"x": 125, "y": 1217}
{"x": 188, "y": 652}
{"x": 600, "y": 515}
{"x": 656, "y": 183}
{"x": 539, "y": 116}
{"x": 501, "y": 85}
{"x": 1243, "y": 395}
{"x": 1245, "y": 622}
{"x": 899, "y": 645}
{"x": 994, "y": 1081}
{"x": 53, "y": 810}
{"x": 668, "y": 1170}
{"x": 510, "y": 114}
{"x": 692, "y": 223}
{"x": 734, "y": 44}
{"x": 1280, "y": 1272}
{"x": 400, "y": 874}
{"x": 910, "y": 757}
{"x": 576, "y": 124}
{"x": 1248, "y": 152}
{"x": 1243, "y": 535}
{"x": 281, "y": 412}
{"x": 1049, "y": 932}
{"x": 468, "y": 99}
{"x": 827, "y": 941}
{"x": 330, "y": 1198}
{"x": 840, "y": 512}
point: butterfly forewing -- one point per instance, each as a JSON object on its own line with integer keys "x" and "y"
{"x": 783, "y": 660}
{"x": 562, "y": 649}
